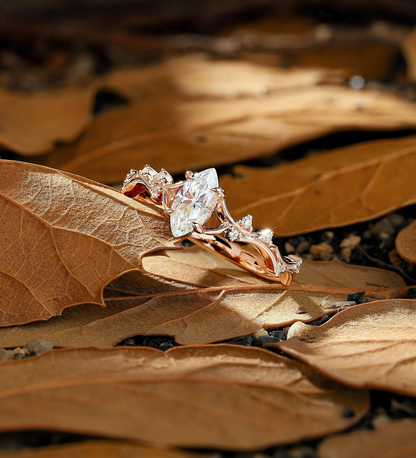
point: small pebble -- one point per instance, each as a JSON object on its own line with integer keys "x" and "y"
{"x": 327, "y": 236}
{"x": 358, "y": 297}
{"x": 324, "y": 319}
{"x": 247, "y": 341}
{"x": 269, "y": 340}
{"x": 301, "y": 310}
{"x": 302, "y": 451}
{"x": 38, "y": 346}
{"x": 20, "y": 353}
{"x": 166, "y": 345}
{"x": 367, "y": 234}
{"x": 326, "y": 256}
{"x": 381, "y": 419}
{"x": 383, "y": 228}
{"x": 394, "y": 258}
{"x": 289, "y": 248}
{"x": 346, "y": 253}
{"x": 261, "y": 332}
{"x": 405, "y": 406}
{"x": 352, "y": 241}
{"x": 322, "y": 247}
{"x": 395, "y": 219}
{"x": 338, "y": 305}
{"x": 348, "y": 412}
{"x": 303, "y": 246}
{"x": 298, "y": 329}
{"x": 6, "y": 355}
{"x": 278, "y": 334}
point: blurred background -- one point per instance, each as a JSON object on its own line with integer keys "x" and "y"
{"x": 47, "y": 44}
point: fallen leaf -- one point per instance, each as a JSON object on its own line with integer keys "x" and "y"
{"x": 64, "y": 238}
{"x": 101, "y": 449}
{"x": 204, "y": 132}
{"x": 367, "y": 346}
{"x": 333, "y": 189}
{"x": 409, "y": 51}
{"x": 199, "y": 298}
{"x": 224, "y": 397}
{"x": 33, "y": 123}
{"x": 372, "y": 61}
{"x": 395, "y": 439}
{"x": 202, "y": 268}
{"x": 291, "y": 40}
{"x": 406, "y": 243}
{"x": 198, "y": 77}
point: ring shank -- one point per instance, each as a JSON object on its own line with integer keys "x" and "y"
{"x": 256, "y": 261}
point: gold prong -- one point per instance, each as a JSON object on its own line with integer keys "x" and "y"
{"x": 219, "y": 191}
{"x": 198, "y": 228}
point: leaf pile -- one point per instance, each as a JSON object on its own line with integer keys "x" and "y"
{"x": 277, "y": 105}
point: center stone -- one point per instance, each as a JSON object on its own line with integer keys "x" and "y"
{"x": 194, "y": 202}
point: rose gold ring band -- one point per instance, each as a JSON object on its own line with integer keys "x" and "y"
{"x": 195, "y": 205}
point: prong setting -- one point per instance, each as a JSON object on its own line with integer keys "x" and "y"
{"x": 198, "y": 228}
{"x": 219, "y": 192}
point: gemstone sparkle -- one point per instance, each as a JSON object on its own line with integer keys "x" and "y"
{"x": 266, "y": 235}
{"x": 194, "y": 202}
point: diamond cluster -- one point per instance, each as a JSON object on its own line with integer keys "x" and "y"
{"x": 244, "y": 225}
{"x": 153, "y": 180}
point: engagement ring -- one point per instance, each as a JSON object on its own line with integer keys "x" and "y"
{"x": 197, "y": 210}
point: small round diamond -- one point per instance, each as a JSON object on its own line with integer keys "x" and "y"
{"x": 232, "y": 234}
{"x": 266, "y": 235}
{"x": 246, "y": 222}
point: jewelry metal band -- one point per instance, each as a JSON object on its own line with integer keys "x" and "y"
{"x": 192, "y": 205}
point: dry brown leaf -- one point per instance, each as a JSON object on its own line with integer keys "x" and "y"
{"x": 297, "y": 41}
{"x": 332, "y": 189}
{"x": 100, "y": 449}
{"x": 368, "y": 346}
{"x": 203, "y": 268}
{"x": 179, "y": 132}
{"x": 194, "y": 76}
{"x": 372, "y": 61}
{"x": 409, "y": 51}
{"x": 198, "y": 298}
{"x": 64, "y": 238}
{"x": 406, "y": 243}
{"x": 225, "y": 397}
{"x": 395, "y": 439}
{"x": 32, "y": 123}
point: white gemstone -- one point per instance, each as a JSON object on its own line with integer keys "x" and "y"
{"x": 163, "y": 177}
{"x": 233, "y": 234}
{"x": 148, "y": 171}
{"x": 266, "y": 235}
{"x": 194, "y": 202}
{"x": 246, "y": 222}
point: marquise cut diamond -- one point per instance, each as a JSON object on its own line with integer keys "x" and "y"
{"x": 194, "y": 202}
